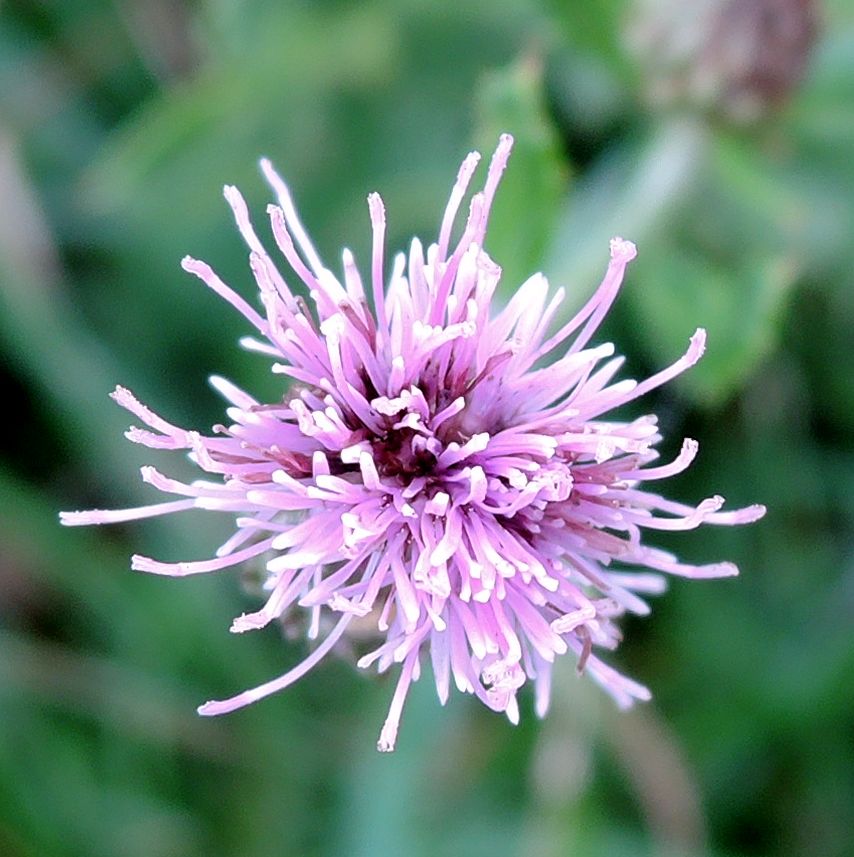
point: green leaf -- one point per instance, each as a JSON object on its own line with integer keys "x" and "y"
{"x": 821, "y": 116}
{"x": 593, "y": 26}
{"x": 759, "y": 194}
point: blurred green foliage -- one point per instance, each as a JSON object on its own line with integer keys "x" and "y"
{"x": 119, "y": 122}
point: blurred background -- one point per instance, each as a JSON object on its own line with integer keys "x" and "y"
{"x": 717, "y": 134}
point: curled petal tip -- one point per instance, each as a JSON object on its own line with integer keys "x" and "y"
{"x": 121, "y": 394}
{"x": 697, "y": 346}
{"x": 623, "y": 250}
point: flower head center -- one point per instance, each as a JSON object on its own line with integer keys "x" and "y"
{"x": 404, "y": 454}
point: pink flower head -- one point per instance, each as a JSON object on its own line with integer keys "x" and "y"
{"x": 441, "y": 471}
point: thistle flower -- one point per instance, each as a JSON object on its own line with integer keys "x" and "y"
{"x": 739, "y": 58}
{"x": 434, "y": 468}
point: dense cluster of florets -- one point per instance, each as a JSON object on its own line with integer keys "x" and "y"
{"x": 433, "y": 467}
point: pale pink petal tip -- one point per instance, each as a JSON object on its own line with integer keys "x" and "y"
{"x": 172, "y": 569}
{"x": 747, "y": 515}
{"x": 467, "y": 168}
{"x": 714, "y": 570}
{"x": 387, "y": 739}
{"x": 642, "y": 694}
{"x": 505, "y": 145}
{"x": 623, "y": 250}
{"x": 249, "y": 622}
{"x": 269, "y": 171}
{"x": 376, "y": 208}
{"x": 80, "y": 519}
{"x": 144, "y": 563}
{"x": 696, "y": 347}
{"x": 213, "y": 708}
{"x": 121, "y": 395}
